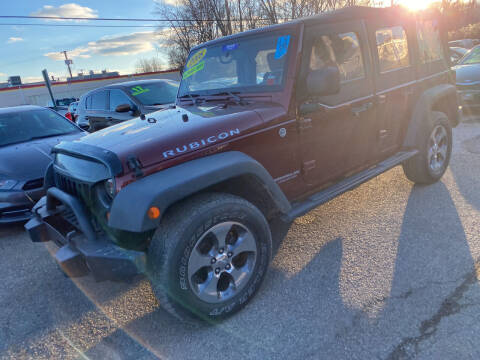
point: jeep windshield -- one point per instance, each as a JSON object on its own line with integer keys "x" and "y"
{"x": 241, "y": 65}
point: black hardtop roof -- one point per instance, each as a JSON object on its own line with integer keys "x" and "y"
{"x": 340, "y": 15}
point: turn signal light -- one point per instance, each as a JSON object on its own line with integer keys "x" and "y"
{"x": 153, "y": 213}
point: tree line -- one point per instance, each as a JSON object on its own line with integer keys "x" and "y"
{"x": 193, "y": 22}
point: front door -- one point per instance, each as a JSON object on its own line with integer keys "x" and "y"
{"x": 337, "y": 131}
{"x": 118, "y": 97}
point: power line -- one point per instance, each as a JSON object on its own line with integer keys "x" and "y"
{"x": 86, "y": 25}
{"x": 113, "y": 19}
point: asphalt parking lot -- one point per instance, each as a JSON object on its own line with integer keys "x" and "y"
{"x": 387, "y": 271}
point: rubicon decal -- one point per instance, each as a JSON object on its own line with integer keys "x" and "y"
{"x": 201, "y": 143}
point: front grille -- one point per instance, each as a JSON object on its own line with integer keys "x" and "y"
{"x": 69, "y": 215}
{"x": 33, "y": 184}
{"x": 72, "y": 186}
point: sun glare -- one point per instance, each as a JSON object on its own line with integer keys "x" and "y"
{"x": 415, "y": 4}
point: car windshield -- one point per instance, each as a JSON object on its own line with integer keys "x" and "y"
{"x": 472, "y": 57}
{"x": 34, "y": 124}
{"x": 158, "y": 93}
{"x": 248, "y": 64}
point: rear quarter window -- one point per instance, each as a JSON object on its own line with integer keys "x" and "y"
{"x": 429, "y": 44}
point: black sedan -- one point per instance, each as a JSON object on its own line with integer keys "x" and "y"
{"x": 119, "y": 102}
{"x": 468, "y": 80}
{"x": 27, "y": 135}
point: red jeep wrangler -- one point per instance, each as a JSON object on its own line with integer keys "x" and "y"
{"x": 268, "y": 123}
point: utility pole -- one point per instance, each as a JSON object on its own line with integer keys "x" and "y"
{"x": 68, "y": 62}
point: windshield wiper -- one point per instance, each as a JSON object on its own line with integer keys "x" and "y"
{"x": 238, "y": 100}
{"x": 193, "y": 97}
{"x": 37, "y": 137}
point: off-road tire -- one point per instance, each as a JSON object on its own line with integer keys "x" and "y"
{"x": 175, "y": 239}
{"x": 418, "y": 169}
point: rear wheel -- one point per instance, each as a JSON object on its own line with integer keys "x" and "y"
{"x": 209, "y": 256}
{"x": 435, "y": 147}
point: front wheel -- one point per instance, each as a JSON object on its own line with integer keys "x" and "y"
{"x": 435, "y": 148}
{"x": 209, "y": 256}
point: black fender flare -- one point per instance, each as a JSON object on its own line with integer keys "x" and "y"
{"x": 164, "y": 188}
{"x": 421, "y": 120}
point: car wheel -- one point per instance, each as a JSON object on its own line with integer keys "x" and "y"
{"x": 209, "y": 256}
{"x": 435, "y": 148}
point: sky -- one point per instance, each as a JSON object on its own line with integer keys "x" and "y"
{"x": 27, "y": 50}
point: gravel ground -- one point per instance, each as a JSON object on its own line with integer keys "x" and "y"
{"x": 387, "y": 271}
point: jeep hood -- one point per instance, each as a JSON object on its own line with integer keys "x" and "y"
{"x": 173, "y": 132}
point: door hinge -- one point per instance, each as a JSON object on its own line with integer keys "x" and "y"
{"x": 304, "y": 124}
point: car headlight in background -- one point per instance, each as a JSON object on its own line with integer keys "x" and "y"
{"x": 7, "y": 184}
{"x": 110, "y": 187}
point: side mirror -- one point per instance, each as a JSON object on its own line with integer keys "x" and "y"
{"x": 324, "y": 81}
{"x": 123, "y": 108}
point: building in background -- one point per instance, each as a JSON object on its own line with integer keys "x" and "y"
{"x": 37, "y": 93}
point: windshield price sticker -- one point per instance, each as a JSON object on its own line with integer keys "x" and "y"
{"x": 194, "y": 70}
{"x": 196, "y": 58}
{"x": 282, "y": 46}
{"x": 137, "y": 90}
{"x": 230, "y": 47}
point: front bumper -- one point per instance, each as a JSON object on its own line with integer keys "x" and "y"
{"x": 15, "y": 206}
{"x": 62, "y": 218}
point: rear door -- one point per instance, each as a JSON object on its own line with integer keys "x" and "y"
{"x": 337, "y": 130}
{"x": 96, "y": 110}
{"x": 394, "y": 82}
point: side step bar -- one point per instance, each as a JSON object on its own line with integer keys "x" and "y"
{"x": 347, "y": 184}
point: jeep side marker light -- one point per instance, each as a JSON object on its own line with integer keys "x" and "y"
{"x": 153, "y": 213}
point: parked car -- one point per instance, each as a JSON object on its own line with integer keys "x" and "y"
{"x": 456, "y": 53}
{"x": 61, "y": 105}
{"x": 116, "y": 103}
{"x": 72, "y": 111}
{"x": 468, "y": 80}
{"x": 268, "y": 124}
{"x": 27, "y": 135}
{"x": 464, "y": 43}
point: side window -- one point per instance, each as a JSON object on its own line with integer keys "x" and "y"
{"x": 117, "y": 97}
{"x": 339, "y": 50}
{"x": 392, "y": 48}
{"x": 99, "y": 101}
{"x": 429, "y": 44}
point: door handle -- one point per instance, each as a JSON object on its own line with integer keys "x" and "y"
{"x": 359, "y": 109}
{"x": 382, "y": 99}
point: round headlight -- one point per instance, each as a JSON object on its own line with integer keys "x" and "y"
{"x": 110, "y": 187}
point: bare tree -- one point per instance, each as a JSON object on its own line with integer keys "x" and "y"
{"x": 193, "y": 22}
{"x": 144, "y": 65}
